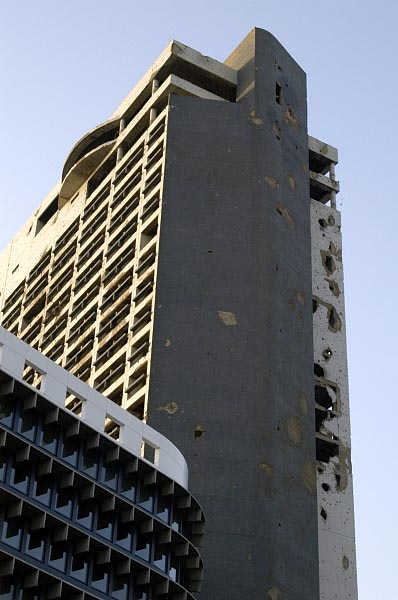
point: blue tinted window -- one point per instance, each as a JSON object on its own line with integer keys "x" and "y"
{"x": 35, "y": 544}
{"x": 48, "y": 437}
{"x": 26, "y": 425}
{"x": 89, "y": 463}
{"x": 64, "y": 502}
{"x": 128, "y": 485}
{"x": 7, "y": 411}
{"x": 20, "y": 477}
{"x": 58, "y": 556}
{"x": 70, "y": 450}
{"x": 12, "y": 533}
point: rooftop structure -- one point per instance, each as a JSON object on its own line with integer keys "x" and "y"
{"x": 188, "y": 266}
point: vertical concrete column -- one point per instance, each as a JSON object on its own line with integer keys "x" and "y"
{"x": 337, "y": 562}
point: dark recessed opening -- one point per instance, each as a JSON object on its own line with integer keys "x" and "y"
{"x": 46, "y": 215}
{"x": 326, "y": 450}
{"x": 323, "y": 398}
{"x": 278, "y": 93}
{"x": 334, "y": 319}
{"x": 324, "y": 514}
{"x": 314, "y": 305}
{"x": 322, "y": 223}
{"x": 198, "y": 432}
{"x": 325, "y": 487}
{"x": 327, "y": 353}
{"x": 318, "y": 371}
{"x": 329, "y": 264}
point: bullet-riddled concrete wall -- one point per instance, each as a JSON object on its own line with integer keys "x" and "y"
{"x": 337, "y": 563}
{"x": 232, "y": 358}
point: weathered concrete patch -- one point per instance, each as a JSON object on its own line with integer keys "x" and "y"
{"x": 291, "y": 117}
{"x": 301, "y": 298}
{"x": 294, "y": 432}
{"x": 228, "y": 318}
{"x": 292, "y": 182}
{"x": 272, "y": 181}
{"x": 286, "y": 214}
{"x": 308, "y": 476}
{"x": 170, "y": 408}
{"x": 274, "y": 593}
{"x": 267, "y": 468}
{"x": 303, "y": 404}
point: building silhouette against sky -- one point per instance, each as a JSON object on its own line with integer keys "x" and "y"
{"x": 188, "y": 267}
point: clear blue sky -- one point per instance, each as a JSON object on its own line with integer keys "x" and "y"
{"x": 65, "y": 67}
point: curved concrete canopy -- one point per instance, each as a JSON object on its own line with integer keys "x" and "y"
{"x": 80, "y": 172}
{"x": 88, "y": 142}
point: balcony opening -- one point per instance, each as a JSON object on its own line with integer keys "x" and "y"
{"x": 46, "y": 215}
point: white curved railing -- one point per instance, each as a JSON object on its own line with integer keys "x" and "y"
{"x": 56, "y": 383}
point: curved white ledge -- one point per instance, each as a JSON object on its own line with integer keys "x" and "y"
{"x": 56, "y": 383}
{"x": 79, "y": 149}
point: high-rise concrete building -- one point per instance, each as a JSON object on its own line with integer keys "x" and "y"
{"x": 188, "y": 266}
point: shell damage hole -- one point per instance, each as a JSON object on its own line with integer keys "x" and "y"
{"x": 329, "y": 264}
{"x": 322, "y": 223}
{"x": 325, "y": 487}
{"x": 318, "y": 370}
{"x": 325, "y": 449}
{"x": 324, "y": 514}
{"x": 327, "y": 354}
{"x": 323, "y": 398}
{"x": 334, "y": 319}
{"x": 278, "y": 93}
{"x": 198, "y": 431}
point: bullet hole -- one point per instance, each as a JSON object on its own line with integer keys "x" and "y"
{"x": 320, "y": 470}
{"x": 318, "y": 370}
{"x": 334, "y": 319}
{"x": 325, "y": 487}
{"x": 279, "y": 524}
{"x": 279, "y": 210}
{"x": 314, "y": 305}
{"x": 198, "y": 431}
{"x": 276, "y": 268}
{"x": 324, "y": 514}
{"x": 338, "y": 479}
{"x": 278, "y": 428}
{"x": 346, "y": 562}
{"x": 278, "y": 93}
{"x": 322, "y": 223}
{"x": 277, "y": 131}
{"x": 210, "y": 251}
{"x": 327, "y": 353}
{"x": 278, "y": 66}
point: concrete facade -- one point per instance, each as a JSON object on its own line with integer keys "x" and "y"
{"x": 173, "y": 268}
